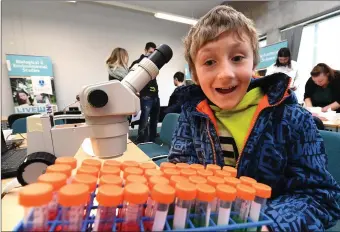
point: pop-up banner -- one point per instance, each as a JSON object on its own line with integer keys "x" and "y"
{"x": 32, "y": 83}
{"x": 268, "y": 54}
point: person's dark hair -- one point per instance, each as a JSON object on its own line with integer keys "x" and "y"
{"x": 150, "y": 45}
{"x": 179, "y": 76}
{"x": 323, "y": 68}
{"x": 284, "y": 52}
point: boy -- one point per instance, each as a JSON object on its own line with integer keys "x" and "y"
{"x": 255, "y": 124}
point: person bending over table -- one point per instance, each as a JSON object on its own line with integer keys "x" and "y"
{"x": 323, "y": 88}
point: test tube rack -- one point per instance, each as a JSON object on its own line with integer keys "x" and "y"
{"x": 90, "y": 217}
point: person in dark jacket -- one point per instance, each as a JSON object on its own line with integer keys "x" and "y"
{"x": 175, "y": 102}
{"x": 149, "y": 102}
{"x": 256, "y": 125}
{"x": 323, "y": 88}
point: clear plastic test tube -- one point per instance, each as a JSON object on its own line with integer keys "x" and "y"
{"x": 88, "y": 180}
{"x": 154, "y": 180}
{"x": 108, "y": 197}
{"x": 135, "y": 195}
{"x": 226, "y": 195}
{"x": 72, "y": 198}
{"x": 185, "y": 194}
{"x": 214, "y": 181}
{"x": 263, "y": 192}
{"x": 245, "y": 196}
{"x": 205, "y": 196}
{"x": 57, "y": 180}
{"x": 35, "y": 199}
{"x": 162, "y": 196}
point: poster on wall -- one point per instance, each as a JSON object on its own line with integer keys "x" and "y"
{"x": 32, "y": 83}
{"x": 268, "y": 54}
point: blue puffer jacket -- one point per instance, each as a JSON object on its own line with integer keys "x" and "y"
{"x": 283, "y": 149}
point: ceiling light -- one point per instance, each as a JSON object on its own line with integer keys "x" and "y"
{"x": 72, "y": 1}
{"x": 176, "y": 18}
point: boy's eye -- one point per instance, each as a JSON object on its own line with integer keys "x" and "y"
{"x": 209, "y": 62}
{"x": 237, "y": 58}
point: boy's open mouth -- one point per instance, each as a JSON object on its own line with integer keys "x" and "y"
{"x": 226, "y": 90}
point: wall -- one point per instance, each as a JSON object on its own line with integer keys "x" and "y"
{"x": 270, "y": 16}
{"x": 79, "y": 38}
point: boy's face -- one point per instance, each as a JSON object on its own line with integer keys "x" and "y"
{"x": 224, "y": 68}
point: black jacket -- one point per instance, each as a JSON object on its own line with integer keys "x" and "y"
{"x": 151, "y": 89}
{"x": 334, "y": 86}
{"x": 175, "y": 101}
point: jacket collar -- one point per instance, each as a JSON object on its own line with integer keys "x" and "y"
{"x": 273, "y": 86}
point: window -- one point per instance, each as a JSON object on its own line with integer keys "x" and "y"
{"x": 319, "y": 44}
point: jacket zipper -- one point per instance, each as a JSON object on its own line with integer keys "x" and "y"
{"x": 254, "y": 121}
{"x": 211, "y": 142}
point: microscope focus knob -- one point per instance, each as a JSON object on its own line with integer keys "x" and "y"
{"x": 97, "y": 98}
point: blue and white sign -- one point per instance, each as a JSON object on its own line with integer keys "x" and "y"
{"x": 23, "y": 66}
{"x": 268, "y": 54}
{"x": 187, "y": 72}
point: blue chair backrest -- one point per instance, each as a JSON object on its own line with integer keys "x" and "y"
{"x": 19, "y": 126}
{"x": 332, "y": 145}
{"x": 168, "y": 127}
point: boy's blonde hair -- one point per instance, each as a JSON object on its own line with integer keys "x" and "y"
{"x": 217, "y": 21}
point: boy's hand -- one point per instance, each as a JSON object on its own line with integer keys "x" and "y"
{"x": 264, "y": 228}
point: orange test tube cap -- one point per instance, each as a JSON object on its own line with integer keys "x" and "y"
{"x": 36, "y": 194}
{"x": 73, "y": 195}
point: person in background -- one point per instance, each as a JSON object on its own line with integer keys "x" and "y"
{"x": 175, "y": 102}
{"x": 323, "y": 88}
{"x": 117, "y": 64}
{"x": 276, "y": 140}
{"x": 149, "y": 102}
{"x": 286, "y": 65}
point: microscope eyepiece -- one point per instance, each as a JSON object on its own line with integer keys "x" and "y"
{"x": 161, "y": 55}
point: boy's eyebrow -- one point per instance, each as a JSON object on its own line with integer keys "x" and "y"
{"x": 208, "y": 48}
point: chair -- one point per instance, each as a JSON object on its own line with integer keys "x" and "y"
{"x": 332, "y": 141}
{"x": 19, "y": 126}
{"x": 168, "y": 127}
{"x": 13, "y": 117}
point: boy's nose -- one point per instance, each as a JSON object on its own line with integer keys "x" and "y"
{"x": 226, "y": 71}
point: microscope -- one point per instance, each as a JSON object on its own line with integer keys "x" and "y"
{"x": 105, "y": 107}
